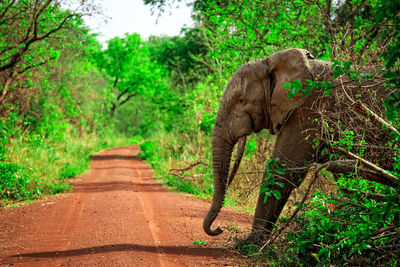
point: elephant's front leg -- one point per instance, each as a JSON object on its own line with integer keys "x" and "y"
{"x": 294, "y": 151}
{"x": 267, "y": 213}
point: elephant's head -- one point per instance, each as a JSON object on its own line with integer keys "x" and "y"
{"x": 253, "y": 100}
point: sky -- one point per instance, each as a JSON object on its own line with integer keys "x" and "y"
{"x": 129, "y": 16}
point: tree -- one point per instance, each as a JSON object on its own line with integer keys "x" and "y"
{"x": 182, "y": 56}
{"x": 388, "y": 11}
{"x": 351, "y": 31}
{"x": 29, "y": 31}
{"x": 130, "y": 70}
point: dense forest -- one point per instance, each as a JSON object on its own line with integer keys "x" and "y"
{"x": 63, "y": 97}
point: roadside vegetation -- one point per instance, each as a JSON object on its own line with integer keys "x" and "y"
{"x": 63, "y": 97}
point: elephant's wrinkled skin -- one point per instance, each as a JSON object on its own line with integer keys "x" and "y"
{"x": 254, "y": 100}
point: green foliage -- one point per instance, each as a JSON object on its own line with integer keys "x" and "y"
{"x": 335, "y": 232}
{"x": 296, "y": 87}
{"x": 130, "y": 69}
{"x": 21, "y": 36}
{"x": 15, "y": 183}
{"x": 51, "y": 99}
{"x": 270, "y": 185}
{"x": 388, "y": 11}
{"x": 207, "y": 123}
{"x": 249, "y": 250}
{"x": 244, "y": 30}
{"x": 155, "y": 154}
{"x": 199, "y": 242}
{"x": 182, "y": 57}
{"x": 251, "y": 147}
{"x": 148, "y": 151}
{"x": 70, "y": 171}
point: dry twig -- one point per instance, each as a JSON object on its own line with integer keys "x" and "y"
{"x": 175, "y": 171}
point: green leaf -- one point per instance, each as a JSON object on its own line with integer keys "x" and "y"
{"x": 279, "y": 171}
{"x": 294, "y": 88}
{"x": 277, "y": 194}
{"x": 347, "y": 65}
{"x": 264, "y": 189}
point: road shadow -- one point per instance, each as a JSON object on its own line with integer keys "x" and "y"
{"x": 145, "y": 168}
{"x": 111, "y": 157}
{"x": 173, "y": 250}
{"x": 118, "y": 186}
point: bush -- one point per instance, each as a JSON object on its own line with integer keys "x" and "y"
{"x": 15, "y": 183}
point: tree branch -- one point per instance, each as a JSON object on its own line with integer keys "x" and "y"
{"x": 5, "y": 11}
{"x": 122, "y": 93}
{"x": 125, "y": 91}
{"x": 189, "y": 167}
{"x": 15, "y": 58}
{"x": 35, "y": 65}
{"x": 6, "y": 85}
{"x": 328, "y": 23}
{"x": 375, "y": 196}
{"x": 127, "y": 99}
{"x": 389, "y": 177}
{"x": 115, "y": 82}
{"x": 366, "y": 112}
{"x": 366, "y": 174}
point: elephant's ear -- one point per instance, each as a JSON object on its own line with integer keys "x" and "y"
{"x": 285, "y": 67}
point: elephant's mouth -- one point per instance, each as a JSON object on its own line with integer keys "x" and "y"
{"x": 256, "y": 123}
{"x": 258, "y": 130}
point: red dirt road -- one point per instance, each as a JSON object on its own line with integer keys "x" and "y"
{"x": 116, "y": 215}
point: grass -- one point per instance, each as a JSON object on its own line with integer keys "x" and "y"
{"x": 172, "y": 155}
{"x": 37, "y": 166}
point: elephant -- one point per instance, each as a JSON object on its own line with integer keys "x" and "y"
{"x": 256, "y": 99}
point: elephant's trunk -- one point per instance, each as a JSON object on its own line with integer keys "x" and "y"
{"x": 222, "y": 152}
